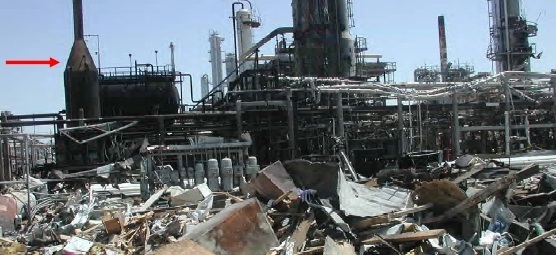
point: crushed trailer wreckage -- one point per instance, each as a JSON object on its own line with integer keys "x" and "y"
{"x": 295, "y": 207}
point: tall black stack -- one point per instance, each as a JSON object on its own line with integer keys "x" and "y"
{"x": 81, "y": 75}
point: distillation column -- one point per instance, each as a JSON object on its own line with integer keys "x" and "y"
{"x": 204, "y": 85}
{"x": 329, "y": 50}
{"x": 510, "y": 32}
{"x": 216, "y": 58}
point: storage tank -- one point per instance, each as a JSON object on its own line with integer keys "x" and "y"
{"x": 139, "y": 99}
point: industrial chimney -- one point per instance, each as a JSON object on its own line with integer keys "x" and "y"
{"x": 443, "y": 48}
{"x": 81, "y": 76}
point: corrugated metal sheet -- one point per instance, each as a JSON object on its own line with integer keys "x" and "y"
{"x": 359, "y": 200}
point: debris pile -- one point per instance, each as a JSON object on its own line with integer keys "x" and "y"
{"x": 299, "y": 207}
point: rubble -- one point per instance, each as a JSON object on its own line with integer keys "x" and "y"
{"x": 297, "y": 207}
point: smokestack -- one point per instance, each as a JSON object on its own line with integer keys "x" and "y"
{"x": 443, "y": 48}
{"x": 78, "y": 19}
{"x": 81, "y": 75}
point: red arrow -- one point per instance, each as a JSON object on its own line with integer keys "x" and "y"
{"x": 51, "y": 62}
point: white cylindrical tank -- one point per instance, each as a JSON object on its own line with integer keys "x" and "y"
{"x": 238, "y": 174}
{"x": 199, "y": 173}
{"x": 230, "y": 66}
{"x": 226, "y": 174}
{"x": 244, "y": 25}
{"x": 190, "y": 177}
{"x": 213, "y": 175}
{"x": 252, "y": 168}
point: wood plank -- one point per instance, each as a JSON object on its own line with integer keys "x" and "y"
{"x": 501, "y": 184}
{"x": 482, "y": 195}
{"x": 382, "y": 219}
{"x": 314, "y": 250}
{"x": 468, "y": 174}
{"x": 300, "y": 234}
{"x": 407, "y": 237}
{"x": 511, "y": 250}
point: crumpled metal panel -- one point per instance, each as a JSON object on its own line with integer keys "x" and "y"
{"x": 240, "y": 229}
{"x": 273, "y": 181}
{"x": 361, "y": 201}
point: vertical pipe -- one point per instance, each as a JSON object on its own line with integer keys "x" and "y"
{"x": 239, "y": 122}
{"x": 443, "y": 47}
{"x": 456, "y": 127}
{"x": 507, "y": 28}
{"x": 172, "y": 59}
{"x": 98, "y": 53}
{"x": 180, "y": 169}
{"x": 527, "y": 130}
{"x": 411, "y": 131}
{"x": 401, "y": 140}
{"x": 340, "y": 116}
{"x": 420, "y": 119}
{"x": 2, "y": 173}
{"x": 78, "y": 19}
{"x": 507, "y": 131}
{"x": 27, "y": 173}
{"x": 6, "y": 149}
{"x": 291, "y": 119}
{"x": 553, "y": 84}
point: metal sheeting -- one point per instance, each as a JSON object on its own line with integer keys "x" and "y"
{"x": 358, "y": 200}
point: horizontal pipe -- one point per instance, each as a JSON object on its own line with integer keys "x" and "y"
{"x": 119, "y": 118}
{"x": 33, "y": 116}
{"x": 500, "y": 128}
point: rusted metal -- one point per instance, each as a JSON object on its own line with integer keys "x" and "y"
{"x": 273, "y": 182}
{"x": 443, "y": 47}
{"x": 8, "y": 208}
{"x": 240, "y": 229}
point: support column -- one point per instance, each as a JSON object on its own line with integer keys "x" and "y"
{"x": 456, "y": 126}
{"x": 6, "y": 150}
{"x": 2, "y": 173}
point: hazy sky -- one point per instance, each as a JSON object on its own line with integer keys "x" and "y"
{"x": 404, "y": 31}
